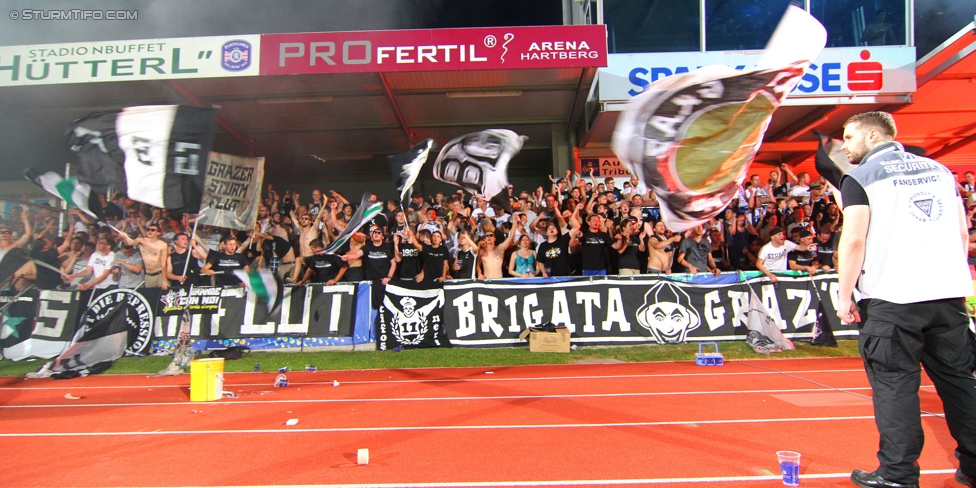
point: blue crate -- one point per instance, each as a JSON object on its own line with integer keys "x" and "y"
{"x": 709, "y": 358}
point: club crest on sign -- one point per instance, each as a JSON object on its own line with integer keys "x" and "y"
{"x": 236, "y": 55}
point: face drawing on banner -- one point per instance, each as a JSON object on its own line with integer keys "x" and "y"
{"x": 409, "y": 324}
{"x": 667, "y": 312}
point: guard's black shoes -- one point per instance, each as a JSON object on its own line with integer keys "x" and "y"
{"x": 874, "y": 480}
{"x": 964, "y": 480}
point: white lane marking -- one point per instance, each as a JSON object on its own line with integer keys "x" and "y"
{"x": 639, "y": 481}
{"x": 441, "y": 380}
{"x": 442, "y": 427}
{"x": 437, "y": 399}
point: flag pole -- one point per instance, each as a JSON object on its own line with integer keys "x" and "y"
{"x": 63, "y": 217}
{"x": 189, "y": 254}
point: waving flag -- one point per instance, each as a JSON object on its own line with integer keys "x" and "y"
{"x": 693, "y": 136}
{"x": 100, "y": 158}
{"x": 830, "y": 160}
{"x": 363, "y": 216}
{"x": 478, "y": 162}
{"x": 263, "y": 283}
{"x": 155, "y": 153}
{"x": 70, "y": 190}
{"x": 406, "y": 168}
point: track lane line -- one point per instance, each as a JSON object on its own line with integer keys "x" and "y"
{"x": 432, "y": 399}
{"x": 443, "y": 380}
{"x": 639, "y": 481}
{"x": 445, "y": 427}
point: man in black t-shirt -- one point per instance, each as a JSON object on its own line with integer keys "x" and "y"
{"x": 826, "y": 257}
{"x": 553, "y": 253}
{"x": 434, "y": 256}
{"x": 378, "y": 258}
{"x": 596, "y": 247}
{"x": 407, "y": 248}
{"x": 322, "y": 267}
{"x": 222, "y": 264}
{"x": 804, "y": 260}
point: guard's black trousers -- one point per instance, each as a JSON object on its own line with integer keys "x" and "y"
{"x": 894, "y": 339}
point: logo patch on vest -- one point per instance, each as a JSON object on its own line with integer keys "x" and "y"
{"x": 925, "y": 207}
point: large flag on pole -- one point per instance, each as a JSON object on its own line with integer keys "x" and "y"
{"x": 364, "y": 214}
{"x": 406, "y": 168}
{"x": 478, "y": 162}
{"x": 692, "y": 136}
{"x": 164, "y": 150}
{"x": 70, "y": 190}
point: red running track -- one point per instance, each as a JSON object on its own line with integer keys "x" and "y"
{"x": 634, "y": 424}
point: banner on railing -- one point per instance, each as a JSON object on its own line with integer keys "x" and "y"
{"x": 411, "y": 316}
{"x": 604, "y": 310}
{"x": 615, "y": 310}
{"x": 43, "y": 323}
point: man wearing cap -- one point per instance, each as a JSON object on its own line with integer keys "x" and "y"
{"x": 773, "y": 256}
{"x": 904, "y": 245}
{"x": 804, "y": 257}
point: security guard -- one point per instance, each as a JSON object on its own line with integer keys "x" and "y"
{"x": 904, "y": 244}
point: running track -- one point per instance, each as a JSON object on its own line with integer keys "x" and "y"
{"x": 634, "y": 424}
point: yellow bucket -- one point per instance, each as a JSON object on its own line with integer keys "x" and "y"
{"x": 206, "y": 379}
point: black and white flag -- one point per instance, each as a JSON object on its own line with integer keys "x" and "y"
{"x": 406, "y": 168}
{"x": 93, "y": 348}
{"x": 478, "y": 162}
{"x": 693, "y": 136}
{"x": 364, "y": 214}
{"x": 101, "y": 160}
{"x": 164, "y": 150}
{"x": 411, "y": 317}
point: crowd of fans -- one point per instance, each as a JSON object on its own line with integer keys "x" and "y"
{"x": 575, "y": 225}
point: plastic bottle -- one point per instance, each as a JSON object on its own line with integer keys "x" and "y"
{"x": 281, "y": 380}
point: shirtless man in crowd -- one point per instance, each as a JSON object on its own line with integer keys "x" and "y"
{"x": 490, "y": 258}
{"x": 154, "y": 252}
{"x": 660, "y": 249}
{"x": 309, "y": 231}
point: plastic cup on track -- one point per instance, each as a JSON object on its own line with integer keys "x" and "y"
{"x": 789, "y": 464}
{"x": 362, "y": 457}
